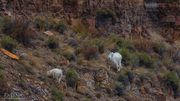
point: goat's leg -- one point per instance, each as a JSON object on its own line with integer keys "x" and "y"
{"x": 120, "y": 64}
{"x": 59, "y": 79}
{"x": 109, "y": 66}
{"x": 117, "y": 66}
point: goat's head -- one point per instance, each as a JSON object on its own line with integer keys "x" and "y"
{"x": 110, "y": 55}
{"x": 48, "y": 73}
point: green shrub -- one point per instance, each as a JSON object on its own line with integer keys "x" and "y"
{"x": 120, "y": 89}
{"x": 43, "y": 23}
{"x": 100, "y": 45}
{"x": 8, "y": 43}
{"x": 1, "y": 67}
{"x": 124, "y": 43}
{"x": 168, "y": 62}
{"x": 134, "y": 60}
{"x": 173, "y": 81}
{"x": 146, "y": 60}
{"x": 69, "y": 55}
{"x": 52, "y": 42}
{"x": 60, "y": 27}
{"x": 57, "y": 95}
{"x": 172, "y": 78}
{"x": 126, "y": 54}
{"x": 87, "y": 99}
{"x": 72, "y": 77}
{"x": 159, "y": 48}
{"x": 123, "y": 78}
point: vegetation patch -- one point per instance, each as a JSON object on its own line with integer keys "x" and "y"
{"x": 60, "y": 27}
{"x": 72, "y": 77}
{"x": 159, "y": 48}
{"x": 124, "y": 43}
{"x": 8, "y": 43}
{"x": 173, "y": 81}
{"x": 19, "y": 29}
{"x": 53, "y": 42}
{"x": 146, "y": 60}
{"x": 57, "y": 95}
{"x": 91, "y": 49}
{"x": 104, "y": 15}
{"x": 119, "y": 89}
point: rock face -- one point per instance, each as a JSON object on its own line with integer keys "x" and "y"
{"x": 105, "y": 20}
{"x": 82, "y": 87}
{"x": 101, "y": 77}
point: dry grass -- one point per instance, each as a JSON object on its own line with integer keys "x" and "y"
{"x": 143, "y": 44}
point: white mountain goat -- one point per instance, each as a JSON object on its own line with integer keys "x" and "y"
{"x": 115, "y": 58}
{"x": 56, "y": 73}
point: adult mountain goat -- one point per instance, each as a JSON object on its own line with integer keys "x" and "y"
{"x": 115, "y": 58}
{"x": 55, "y": 73}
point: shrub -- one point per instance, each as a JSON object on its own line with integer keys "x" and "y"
{"x": 126, "y": 54}
{"x": 104, "y": 15}
{"x": 19, "y": 29}
{"x": 159, "y": 48}
{"x": 146, "y": 60}
{"x": 131, "y": 76}
{"x": 173, "y": 81}
{"x": 8, "y": 25}
{"x": 143, "y": 44}
{"x": 124, "y": 43}
{"x": 70, "y": 2}
{"x": 168, "y": 62}
{"x": 135, "y": 60}
{"x": 100, "y": 45}
{"x": 43, "y": 23}
{"x": 8, "y": 43}
{"x": 119, "y": 89}
{"x": 81, "y": 29}
{"x": 72, "y": 77}
{"x": 73, "y": 43}
{"x": 52, "y": 42}
{"x": 56, "y": 94}
{"x": 91, "y": 53}
{"x": 123, "y": 78}
{"x": 60, "y": 27}
{"x": 1, "y": 67}
{"x": 70, "y": 55}
{"x": 91, "y": 49}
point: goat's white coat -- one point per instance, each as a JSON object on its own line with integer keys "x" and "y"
{"x": 116, "y": 59}
{"x": 55, "y": 73}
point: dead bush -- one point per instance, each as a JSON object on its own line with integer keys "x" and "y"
{"x": 91, "y": 49}
{"x": 19, "y": 29}
{"x": 143, "y": 44}
{"x": 91, "y": 52}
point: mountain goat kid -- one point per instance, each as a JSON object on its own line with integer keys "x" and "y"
{"x": 115, "y": 58}
{"x": 55, "y": 73}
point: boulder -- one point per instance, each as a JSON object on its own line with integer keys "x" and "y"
{"x": 49, "y": 33}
